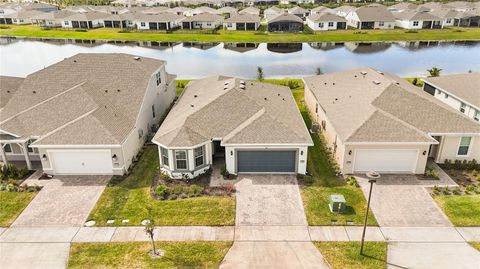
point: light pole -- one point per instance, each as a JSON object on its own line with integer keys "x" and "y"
{"x": 372, "y": 178}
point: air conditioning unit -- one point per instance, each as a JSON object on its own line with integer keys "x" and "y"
{"x": 315, "y": 127}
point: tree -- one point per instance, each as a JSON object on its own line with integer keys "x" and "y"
{"x": 434, "y": 71}
{"x": 150, "y": 229}
{"x": 260, "y": 73}
{"x": 318, "y": 71}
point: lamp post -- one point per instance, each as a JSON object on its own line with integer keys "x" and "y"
{"x": 372, "y": 178}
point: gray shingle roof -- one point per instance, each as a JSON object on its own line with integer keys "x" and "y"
{"x": 204, "y": 17}
{"x": 374, "y": 13}
{"x": 217, "y": 107}
{"x": 8, "y": 86}
{"x": 415, "y": 15}
{"x": 286, "y": 17}
{"x": 464, "y": 86}
{"x": 243, "y": 18}
{"x": 84, "y": 94}
{"x": 365, "y": 105}
{"x": 161, "y": 17}
{"x": 326, "y": 17}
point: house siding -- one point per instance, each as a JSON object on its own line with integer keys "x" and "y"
{"x": 449, "y": 148}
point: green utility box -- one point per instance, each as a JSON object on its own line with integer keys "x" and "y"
{"x": 337, "y": 203}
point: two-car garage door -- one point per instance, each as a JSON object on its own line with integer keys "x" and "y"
{"x": 77, "y": 162}
{"x": 386, "y": 160}
{"x": 262, "y": 161}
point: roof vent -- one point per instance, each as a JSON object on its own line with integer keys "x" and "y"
{"x": 355, "y": 75}
{"x": 363, "y": 73}
{"x": 333, "y": 83}
{"x": 191, "y": 105}
{"x": 325, "y": 83}
{"x": 74, "y": 61}
{"x": 242, "y": 86}
{"x": 376, "y": 82}
{"x": 283, "y": 99}
{"x": 226, "y": 83}
{"x": 265, "y": 98}
{"x": 118, "y": 90}
{"x": 8, "y": 91}
{"x": 195, "y": 96}
{"x": 242, "y": 82}
{"x": 34, "y": 92}
{"x": 136, "y": 58}
{"x": 336, "y": 99}
{"x": 278, "y": 94}
{"x": 106, "y": 91}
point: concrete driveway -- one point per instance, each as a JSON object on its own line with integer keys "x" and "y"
{"x": 432, "y": 255}
{"x": 269, "y": 200}
{"x": 403, "y": 201}
{"x": 63, "y": 202}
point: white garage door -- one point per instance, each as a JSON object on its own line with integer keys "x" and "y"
{"x": 388, "y": 160}
{"x": 77, "y": 162}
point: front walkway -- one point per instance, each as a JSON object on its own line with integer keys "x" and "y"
{"x": 62, "y": 202}
{"x": 403, "y": 201}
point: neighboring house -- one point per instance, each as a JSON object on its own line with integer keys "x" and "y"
{"x": 243, "y": 22}
{"x": 371, "y": 17}
{"x": 403, "y": 6}
{"x": 37, "y": 6}
{"x": 51, "y": 19}
{"x": 227, "y": 10}
{"x": 250, "y": 127}
{"x": 88, "y": 114}
{"x": 446, "y": 15}
{"x": 413, "y": 19}
{"x": 179, "y": 10}
{"x": 429, "y": 6}
{"x": 163, "y": 21}
{"x": 460, "y": 91}
{"x": 124, "y": 20}
{"x": 467, "y": 18}
{"x": 250, "y": 11}
{"x": 343, "y": 10}
{"x": 202, "y": 21}
{"x": 285, "y": 23}
{"x": 373, "y": 121}
{"x": 326, "y": 21}
{"x": 272, "y": 12}
{"x": 299, "y": 11}
{"x": 85, "y": 20}
{"x": 321, "y": 9}
{"x": 200, "y": 10}
{"x": 20, "y": 17}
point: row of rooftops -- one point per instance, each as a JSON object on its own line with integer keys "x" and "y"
{"x": 91, "y": 99}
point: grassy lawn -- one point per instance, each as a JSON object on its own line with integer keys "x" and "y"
{"x": 316, "y": 199}
{"x": 342, "y": 255}
{"x": 248, "y": 36}
{"x": 135, "y": 255}
{"x": 475, "y": 245}
{"x": 12, "y": 204}
{"x": 461, "y": 210}
{"x": 130, "y": 198}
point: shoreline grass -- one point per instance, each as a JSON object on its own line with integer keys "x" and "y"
{"x": 245, "y": 36}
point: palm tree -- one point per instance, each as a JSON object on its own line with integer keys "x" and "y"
{"x": 318, "y": 71}
{"x": 260, "y": 73}
{"x": 434, "y": 71}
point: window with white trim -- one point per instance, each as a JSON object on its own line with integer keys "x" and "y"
{"x": 181, "y": 160}
{"x": 464, "y": 146}
{"x": 199, "y": 155}
{"x": 158, "y": 77}
{"x": 320, "y": 24}
{"x": 66, "y": 22}
{"x": 330, "y": 24}
{"x": 142, "y": 24}
{"x": 462, "y": 107}
{"x": 164, "y": 153}
{"x": 382, "y": 23}
{"x": 448, "y": 21}
{"x": 415, "y": 23}
{"x": 153, "y": 111}
{"x": 7, "y": 148}
{"x": 477, "y": 115}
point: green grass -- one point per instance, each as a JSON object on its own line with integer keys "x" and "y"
{"x": 130, "y": 198}
{"x": 346, "y": 255}
{"x": 316, "y": 200}
{"x": 476, "y": 245}
{"x": 461, "y": 210}
{"x": 247, "y": 36}
{"x": 135, "y": 255}
{"x": 12, "y": 204}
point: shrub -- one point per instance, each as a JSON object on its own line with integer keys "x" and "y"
{"x": 9, "y": 171}
{"x": 4, "y": 27}
{"x": 176, "y": 190}
{"x": 81, "y": 30}
{"x": 172, "y": 197}
{"x": 292, "y": 84}
{"x": 457, "y": 191}
{"x": 352, "y": 181}
{"x": 411, "y": 31}
{"x": 470, "y": 188}
{"x": 415, "y": 81}
{"x": 305, "y": 179}
{"x": 474, "y": 172}
{"x": 11, "y": 188}
{"x": 436, "y": 190}
{"x": 446, "y": 191}
{"x": 3, "y": 187}
{"x": 182, "y": 196}
{"x": 162, "y": 191}
{"x": 12, "y": 181}
{"x": 429, "y": 172}
{"x": 195, "y": 190}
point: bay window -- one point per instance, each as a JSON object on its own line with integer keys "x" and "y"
{"x": 181, "y": 159}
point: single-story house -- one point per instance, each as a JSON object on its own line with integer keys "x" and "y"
{"x": 429, "y": 6}
{"x": 19, "y": 17}
{"x": 227, "y": 10}
{"x": 467, "y": 18}
{"x": 412, "y": 19}
{"x": 86, "y": 20}
{"x": 374, "y": 121}
{"x": 326, "y": 21}
{"x": 285, "y": 23}
{"x": 446, "y": 15}
{"x": 124, "y": 20}
{"x": 299, "y": 11}
{"x": 200, "y": 10}
{"x": 321, "y": 9}
{"x": 460, "y": 91}
{"x": 250, "y": 127}
{"x": 88, "y": 114}
{"x": 162, "y": 21}
{"x": 371, "y": 17}
{"x": 242, "y": 22}
{"x": 202, "y": 21}
{"x": 178, "y": 10}
{"x": 343, "y": 10}
{"x": 250, "y": 10}
{"x": 272, "y": 12}
{"x": 51, "y": 19}
{"x": 403, "y": 6}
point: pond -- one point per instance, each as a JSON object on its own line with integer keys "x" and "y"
{"x": 20, "y": 57}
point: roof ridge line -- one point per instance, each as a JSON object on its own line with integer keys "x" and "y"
{"x": 244, "y": 124}
{"x": 43, "y": 102}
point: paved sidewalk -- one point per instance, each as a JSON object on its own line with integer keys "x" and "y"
{"x": 34, "y": 255}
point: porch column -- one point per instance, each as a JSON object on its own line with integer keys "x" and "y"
{"x": 25, "y": 154}
{"x": 4, "y": 156}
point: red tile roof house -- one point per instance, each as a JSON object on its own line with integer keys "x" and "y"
{"x": 88, "y": 114}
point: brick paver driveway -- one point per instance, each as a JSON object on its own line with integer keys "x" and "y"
{"x": 403, "y": 201}
{"x": 269, "y": 200}
{"x": 63, "y": 202}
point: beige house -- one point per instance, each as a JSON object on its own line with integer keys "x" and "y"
{"x": 88, "y": 114}
{"x": 377, "y": 121}
{"x": 250, "y": 127}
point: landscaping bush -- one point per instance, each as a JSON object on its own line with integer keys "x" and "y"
{"x": 195, "y": 190}
{"x": 411, "y": 31}
{"x": 446, "y": 191}
{"x": 81, "y": 30}
{"x": 360, "y": 33}
{"x": 429, "y": 172}
{"x": 461, "y": 165}
{"x": 308, "y": 30}
{"x": 305, "y": 179}
{"x": 292, "y": 84}
{"x": 415, "y": 81}
{"x": 457, "y": 191}
{"x": 470, "y": 189}
{"x": 352, "y": 181}
{"x": 162, "y": 191}
{"x": 435, "y": 190}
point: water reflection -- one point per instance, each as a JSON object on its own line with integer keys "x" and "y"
{"x": 20, "y": 57}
